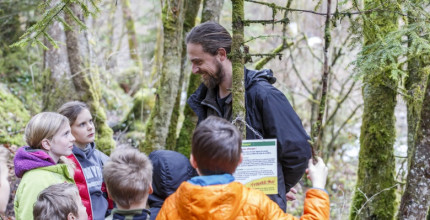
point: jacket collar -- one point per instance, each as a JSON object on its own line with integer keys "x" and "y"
{"x": 212, "y": 180}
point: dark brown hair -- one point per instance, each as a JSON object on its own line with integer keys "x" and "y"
{"x": 128, "y": 176}
{"x": 72, "y": 109}
{"x": 211, "y": 36}
{"x": 216, "y": 146}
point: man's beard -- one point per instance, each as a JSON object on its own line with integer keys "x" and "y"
{"x": 212, "y": 80}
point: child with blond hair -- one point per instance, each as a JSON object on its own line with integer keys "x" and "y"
{"x": 42, "y": 163}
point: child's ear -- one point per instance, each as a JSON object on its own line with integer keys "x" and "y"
{"x": 46, "y": 144}
{"x": 240, "y": 160}
{"x": 70, "y": 216}
{"x": 193, "y": 162}
{"x": 150, "y": 189}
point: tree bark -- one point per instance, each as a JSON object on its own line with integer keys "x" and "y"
{"x": 159, "y": 122}
{"x": 416, "y": 198}
{"x": 191, "y": 10}
{"x": 86, "y": 81}
{"x": 211, "y": 11}
{"x": 237, "y": 59}
{"x": 374, "y": 197}
{"x": 57, "y": 85}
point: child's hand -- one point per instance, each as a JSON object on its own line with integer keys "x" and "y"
{"x": 317, "y": 173}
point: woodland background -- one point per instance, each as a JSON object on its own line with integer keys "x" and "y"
{"x": 356, "y": 72}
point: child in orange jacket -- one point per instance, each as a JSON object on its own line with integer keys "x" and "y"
{"x": 216, "y": 153}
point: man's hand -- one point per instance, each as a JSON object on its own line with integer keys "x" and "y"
{"x": 317, "y": 173}
{"x": 290, "y": 195}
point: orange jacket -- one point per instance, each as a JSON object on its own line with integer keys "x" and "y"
{"x": 235, "y": 201}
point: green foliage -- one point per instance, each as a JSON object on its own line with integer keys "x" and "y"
{"x": 51, "y": 13}
{"x": 13, "y": 118}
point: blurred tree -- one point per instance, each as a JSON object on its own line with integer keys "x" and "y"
{"x": 414, "y": 202}
{"x": 159, "y": 121}
{"x": 191, "y": 10}
{"x": 210, "y": 12}
{"x": 374, "y": 196}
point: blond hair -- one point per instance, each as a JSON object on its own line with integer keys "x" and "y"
{"x": 128, "y": 176}
{"x": 56, "y": 202}
{"x": 44, "y": 126}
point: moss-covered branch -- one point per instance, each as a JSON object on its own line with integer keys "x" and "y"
{"x": 237, "y": 59}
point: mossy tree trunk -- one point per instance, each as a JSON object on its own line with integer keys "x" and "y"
{"x": 191, "y": 9}
{"x": 374, "y": 197}
{"x": 211, "y": 12}
{"x": 414, "y": 202}
{"x": 237, "y": 59}
{"x": 86, "y": 80}
{"x": 416, "y": 198}
{"x": 159, "y": 121}
{"x": 57, "y": 84}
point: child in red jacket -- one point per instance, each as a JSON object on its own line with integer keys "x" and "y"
{"x": 216, "y": 153}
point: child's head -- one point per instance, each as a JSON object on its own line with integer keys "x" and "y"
{"x": 216, "y": 147}
{"x": 81, "y": 122}
{"x": 4, "y": 182}
{"x": 50, "y": 131}
{"x": 128, "y": 177}
{"x": 59, "y": 202}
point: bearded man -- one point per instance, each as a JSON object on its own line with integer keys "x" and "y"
{"x": 268, "y": 111}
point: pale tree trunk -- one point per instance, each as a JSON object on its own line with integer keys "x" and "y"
{"x": 57, "y": 84}
{"x": 374, "y": 197}
{"x": 191, "y": 10}
{"x": 416, "y": 198}
{"x": 132, "y": 45}
{"x": 86, "y": 81}
{"x": 211, "y": 12}
{"x": 238, "y": 90}
{"x": 159, "y": 121}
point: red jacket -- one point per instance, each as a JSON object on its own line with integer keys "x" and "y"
{"x": 235, "y": 201}
{"x": 81, "y": 183}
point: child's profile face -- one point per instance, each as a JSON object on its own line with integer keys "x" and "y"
{"x": 4, "y": 187}
{"x": 62, "y": 142}
{"x": 82, "y": 213}
{"x": 83, "y": 128}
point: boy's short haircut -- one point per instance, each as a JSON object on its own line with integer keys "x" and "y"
{"x": 216, "y": 146}
{"x": 128, "y": 176}
{"x": 56, "y": 202}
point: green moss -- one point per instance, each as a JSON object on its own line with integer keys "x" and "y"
{"x": 143, "y": 102}
{"x": 13, "y": 118}
{"x": 375, "y": 197}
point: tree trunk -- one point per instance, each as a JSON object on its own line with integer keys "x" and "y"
{"x": 416, "y": 198}
{"x": 374, "y": 197}
{"x": 210, "y": 12}
{"x": 191, "y": 10}
{"x": 57, "y": 85}
{"x": 158, "y": 124}
{"x": 86, "y": 81}
{"x": 238, "y": 90}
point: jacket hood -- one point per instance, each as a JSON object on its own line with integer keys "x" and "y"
{"x": 225, "y": 201}
{"x": 170, "y": 169}
{"x": 253, "y": 76}
{"x": 27, "y": 158}
{"x": 80, "y": 153}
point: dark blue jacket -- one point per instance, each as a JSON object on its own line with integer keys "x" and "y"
{"x": 270, "y": 114}
{"x": 170, "y": 169}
